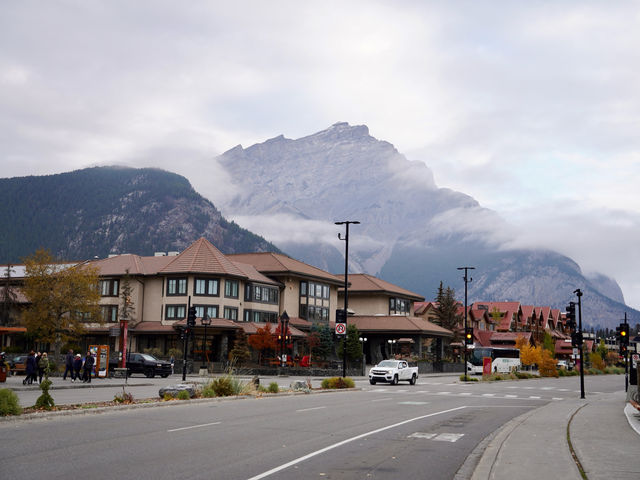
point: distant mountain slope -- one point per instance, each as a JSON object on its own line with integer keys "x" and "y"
{"x": 412, "y": 232}
{"x": 98, "y": 211}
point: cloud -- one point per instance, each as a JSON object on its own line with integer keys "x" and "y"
{"x": 529, "y": 107}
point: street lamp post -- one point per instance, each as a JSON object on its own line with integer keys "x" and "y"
{"x": 206, "y": 321}
{"x": 363, "y": 341}
{"x": 284, "y": 326}
{"x": 346, "y": 287}
{"x": 578, "y": 292}
{"x": 391, "y": 344}
{"x": 467, "y": 280}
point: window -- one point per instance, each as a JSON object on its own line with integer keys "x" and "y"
{"x": 399, "y": 306}
{"x": 314, "y": 301}
{"x": 109, "y": 288}
{"x": 315, "y": 290}
{"x": 231, "y": 289}
{"x": 262, "y": 294}
{"x": 260, "y": 317}
{"x": 176, "y": 286}
{"x": 212, "y": 311}
{"x": 231, "y": 313}
{"x": 175, "y": 312}
{"x": 206, "y": 286}
{"x": 109, "y": 313}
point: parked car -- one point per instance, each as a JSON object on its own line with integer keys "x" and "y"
{"x": 18, "y": 364}
{"x": 145, "y": 364}
{"x": 392, "y": 371}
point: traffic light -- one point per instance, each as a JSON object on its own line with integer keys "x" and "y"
{"x": 624, "y": 333}
{"x": 468, "y": 335}
{"x": 576, "y": 339}
{"x": 571, "y": 316}
{"x": 191, "y": 317}
{"x": 623, "y": 350}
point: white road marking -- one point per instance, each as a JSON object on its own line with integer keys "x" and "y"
{"x": 348, "y": 440}
{"x": 465, "y": 393}
{"x": 448, "y": 437}
{"x": 309, "y": 409}
{"x": 488, "y": 394}
{"x": 428, "y": 436}
{"x": 381, "y": 399}
{"x": 532, "y": 396}
{"x": 443, "y": 393}
{"x": 193, "y": 426}
{"x": 557, "y": 398}
{"x": 438, "y": 437}
{"x": 511, "y": 396}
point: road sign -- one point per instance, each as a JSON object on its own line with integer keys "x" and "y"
{"x": 341, "y": 328}
{"x": 634, "y": 359}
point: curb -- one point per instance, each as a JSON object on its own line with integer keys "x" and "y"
{"x": 158, "y": 403}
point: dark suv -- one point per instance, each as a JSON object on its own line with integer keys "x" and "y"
{"x": 147, "y": 364}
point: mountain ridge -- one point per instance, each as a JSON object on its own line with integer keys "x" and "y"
{"x": 348, "y": 174}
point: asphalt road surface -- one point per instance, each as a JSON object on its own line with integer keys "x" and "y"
{"x": 386, "y": 432}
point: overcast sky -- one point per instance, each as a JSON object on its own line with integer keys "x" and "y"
{"x": 530, "y": 107}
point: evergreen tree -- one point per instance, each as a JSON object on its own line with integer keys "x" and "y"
{"x": 240, "y": 351}
{"x": 354, "y": 347}
{"x": 324, "y": 348}
{"x": 447, "y": 310}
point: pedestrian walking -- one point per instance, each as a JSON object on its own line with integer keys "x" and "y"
{"x": 30, "y": 369}
{"x": 43, "y": 365}
{"x": 88, "y": 367}
{"x": 77, "y": 367}
{"x": 68, "y": 365}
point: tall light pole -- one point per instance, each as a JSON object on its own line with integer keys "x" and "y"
{"x": 467, "y": 280}
{"x": 206, "y": 321}
{"x": 346, "y": 288}
{"x": 284, "y": 327}
{"x": 578, "y": 292}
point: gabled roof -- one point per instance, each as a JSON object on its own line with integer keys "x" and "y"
{"x": 398, "y": 324}
{"x": 483, "y": 337}
{"x": 277, "y": 264}
{"x": 526, "y": 312}
{"x": 365, "y": 283}
{"x": 422, "y": 307}
{"x": 253, "y": 275}
{"x": 202, "y": 257}
{"x": 135, "y": 264}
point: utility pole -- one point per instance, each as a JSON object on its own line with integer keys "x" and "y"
{"x": 346, "y": 289}
{"x": 578, "y": 292}
{"x": 466, "y": 281}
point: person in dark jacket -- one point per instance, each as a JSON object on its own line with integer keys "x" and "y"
{"x": 88, "y": 367}
{"x": 77, "y": 367}
{"x": 30, "y": 369}
{"x": 68, "y": 365}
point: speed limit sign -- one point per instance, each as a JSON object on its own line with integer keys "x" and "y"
{"x": 341, "y": 328}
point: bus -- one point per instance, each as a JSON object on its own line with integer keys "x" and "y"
{"x": 503, "y": 360}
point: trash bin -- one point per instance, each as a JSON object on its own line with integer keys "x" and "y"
{"x": 3, "y": 372}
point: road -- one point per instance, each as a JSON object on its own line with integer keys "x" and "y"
{"x": 381, "y": 431}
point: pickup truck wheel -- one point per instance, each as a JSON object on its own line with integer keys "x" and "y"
{"x": 164, "y": 375}
{"x": 413, "y": 379}
{"x": 150, "y": 373}
{"x": 372, "y": 381}
{"x": 395, "y": 380}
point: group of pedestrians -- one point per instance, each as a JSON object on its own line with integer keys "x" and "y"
{"x": 36, "y": 366}
{"x": 75, "y": 366}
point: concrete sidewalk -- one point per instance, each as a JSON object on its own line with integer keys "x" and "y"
{"x": 604, "y": 435}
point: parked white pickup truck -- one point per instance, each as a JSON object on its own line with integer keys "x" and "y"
{"x": 393, "y": 371}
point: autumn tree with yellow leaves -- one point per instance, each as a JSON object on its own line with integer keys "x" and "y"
{"x": 62, "y": 298}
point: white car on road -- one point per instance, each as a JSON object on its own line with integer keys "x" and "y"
{"x": 393, "y": 371}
